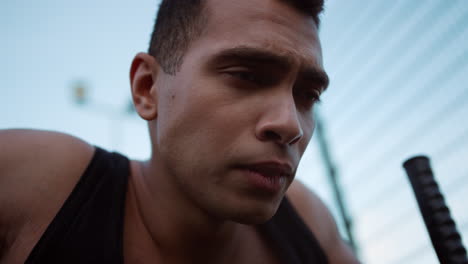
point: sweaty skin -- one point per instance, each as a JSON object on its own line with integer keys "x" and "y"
{"x": 243, "y": 98}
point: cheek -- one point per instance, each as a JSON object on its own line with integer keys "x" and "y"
{"x": 203, "y": 115}
{"x": 197, "y": 127}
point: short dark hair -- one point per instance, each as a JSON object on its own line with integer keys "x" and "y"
{"x": 180, "y": 21}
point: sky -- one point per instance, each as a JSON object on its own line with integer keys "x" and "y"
{"x": 51, "y": 46}
{"x": 398, "y": 88}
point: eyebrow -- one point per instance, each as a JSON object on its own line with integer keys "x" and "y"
{"x": 316, "y": 75}
{"x": 252, "y": 55}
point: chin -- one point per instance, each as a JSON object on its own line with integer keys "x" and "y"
{"x": 255, "y": 215}
{"x": 253, "y": 220}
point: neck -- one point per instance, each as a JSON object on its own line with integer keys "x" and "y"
{"x": 166, "y": 224}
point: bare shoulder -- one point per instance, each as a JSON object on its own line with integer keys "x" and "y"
{"x": 38, "y": 170}
{"x": 319, "y": 219}
{"x": 25, "y": 153}
{"x": 32, "y": 162}
{"x": 16, "y": 141}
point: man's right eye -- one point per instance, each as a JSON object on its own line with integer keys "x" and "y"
{"x": 245, "y": 76}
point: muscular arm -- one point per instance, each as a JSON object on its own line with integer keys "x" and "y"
{"x": 319, "y": 219}
{"x": 38, "y": 170}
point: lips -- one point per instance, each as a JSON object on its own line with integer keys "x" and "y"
{"x": 270, "y": 169}
{"x": 267, "y": 177}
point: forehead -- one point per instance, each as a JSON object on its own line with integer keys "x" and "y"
{"x": 270, "y": 25}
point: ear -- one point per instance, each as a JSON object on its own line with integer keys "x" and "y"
{"x": 143, "y": 73}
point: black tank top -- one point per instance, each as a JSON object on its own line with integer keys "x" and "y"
{"x": 89, "y": 226}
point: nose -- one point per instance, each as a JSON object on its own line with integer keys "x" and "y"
{"x": 280, "y": 123}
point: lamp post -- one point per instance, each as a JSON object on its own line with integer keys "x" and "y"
{"x": 80, "y": 96}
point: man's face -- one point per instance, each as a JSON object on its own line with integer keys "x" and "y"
{"x": 234, "y": 122}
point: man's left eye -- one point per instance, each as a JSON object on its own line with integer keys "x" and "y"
{"x": 307, "y": 98}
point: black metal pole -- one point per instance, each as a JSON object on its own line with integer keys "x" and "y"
{"x": 441, "y": 227}
{"x": 332, "y": 176}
